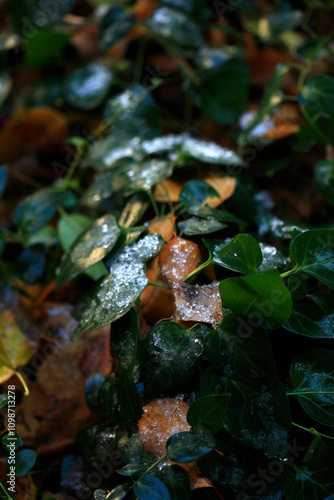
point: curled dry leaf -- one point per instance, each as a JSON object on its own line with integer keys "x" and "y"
{"x": 177, "y": 259}
{"x": 162, "y": 419}
{"x": 198, "y": 303}
{"x": 163, "y": 225}
{"x": 31, "y": 130}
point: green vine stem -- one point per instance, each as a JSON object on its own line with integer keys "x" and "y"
{"x": 311, "y": 430}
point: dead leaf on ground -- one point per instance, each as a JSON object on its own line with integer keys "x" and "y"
{"x": 177, "y": 259}
{"x": 162, "y": 419}
{"x": 31, "y": 130}
{"x": 25, "y": 488}
{"x": 163, "y": 225}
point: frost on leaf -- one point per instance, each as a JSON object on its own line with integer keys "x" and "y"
{"x": 198, "y": 303}
{"x": 177, "y": 259}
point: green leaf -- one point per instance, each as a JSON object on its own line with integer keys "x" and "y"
{"x": 314, "y": 481}
{"x": 189, "y": 446}
{"x": 324, "y": 177}
{"x": 224, "y": 103}
{"x": 115, "y": 294}
{"x": 116, "y": 25}
{"x": 36, "y": 210}
{"x": 87, "y": 87}
{"x": 31, "y": 15}
{"x": 151, "y": 488}
{"x": 44, "y": 47}
{"x": 317, "y": 94}
{"x": 263, "y": 297}
{"x": 174, "y": 26}
{"x": 258, "y": 417}
{"x": 143, "y": 176}
{"x": 106, "y": 396}
{"x": 240, "y": 351}
{"x": 3, "y": 179}
{"x": 209, "y": 152}
{"x": 98, "y": 443}
{"x": 209, "y": 412}
{"x": 177, "y": 481}
{"x": 242, "y": 254}
{"x": 194, "y": 226}
{"x": 92, "y": 386}
{"x": 115, "y": 494}
{"x": 129, "y": 404}
{"x": 313, "y": 384}
{"x": 172, "y": 356}
{"x": 124, "y": 336}
{"x": 70, "y": 227}
{"x": 272, "y": 97}
{"x": 24, "y": 462}
{"x": 194, "y": 195}
{"x": 89, "y": 249}
{"x": 313, "y": 252}
{"x": 7, "y": 440}
{"x": 313, "y": 316}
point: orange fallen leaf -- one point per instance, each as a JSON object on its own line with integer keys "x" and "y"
{"x": 177, "y": 259}
{"x": 200, "y": 303}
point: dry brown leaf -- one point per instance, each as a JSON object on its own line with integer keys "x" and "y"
{"x": 25, "y": 488}
{"x": 31, "y": 130}
{"x": 177, "y": 259}
{"x": 162, "y": 419}
{"x": 163, "y": 225}
{"x": 224, "y": 186}
{"x": 167, "y": 190}
{"x": 200, "y": 303}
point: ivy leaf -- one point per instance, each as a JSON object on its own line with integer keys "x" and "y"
{"x": 87, "y": 87}
{"x": 263, "y": 297}
{"x": 209, "y": 412}
{"x": 324, "y": 177}
{"x": 106, "y": 396}
{"x": 124, "y": 336}
{"x": 89, "y": 249}
{"x": 242, "y": 254}
{"x": 314, "y": 481}
{"x": 129, "y": 404}
{"x": 24, "y": 462}
{"x": 92, "y": 386}
{"x": 115, "y": 294}
{"x": 194, "y": 226}
{"x": 36, "y": 210}
{"x": 313, "y": 316}
{"x": 3, "y": 400}
{"x": 317, "y": 94}
{"x": 209, "y": 152}
{"x": 151, "y": 488}
{"x": 313, "y": 384}
{"x": 194, "y": 195}
{"x": 44, "y": 47}
{"x": 177, "y": 481}
{"x": 185, "y": 447}
{"x": 313, "y": 252}
{"x": 258, "y": 417}
{"x": 172, "y": 356}
{"x": 116, "y": 24}
{"x": 115, "y": 494}
{"x": 238, "y": 350}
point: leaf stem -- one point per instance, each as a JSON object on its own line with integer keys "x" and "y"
{"x": 160, "y": 285}
{"x": 288, "y": 273}
{"x": 23, "y": 382}
{"x": 199, "y": 268}
{"x": 302, "y": 393}
{"x": 154, "y": 203}
{"x": 311, "y": 430}
{"x": 147, "y": 471}
{"x": 5, "y": 491}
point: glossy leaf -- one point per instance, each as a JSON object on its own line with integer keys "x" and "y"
{"x": 258, "y": 417}
{"x": 172, "y": 356}
{"x": 115, "y": 294}
{"x": 119, "y": 26}
{"x": 92, "y": 387}
{"x": 151, "y": 488}
{"x": 24, "y": 462}
{"x": 194, "y": 226}
{"x": 44, "y": 47}
{"x": 313, "y": 316}
{"x": 241, "y": 351}
{"x": 313, "y": 253}
{"x": 106, "y": 396}
{"x": 87, "y": 87}
{"x": 209, "y": 412}
{"x": 115, "y": 494}
{"x": 36, "y": 210}
{"x": 177, "y": 481}
{"x": 194, "y": 195}
{"x": 242, "y": 254}
{"x": 263, "y": 297}
{"x": 317, "y": 94}
{"x": 313, "y": 384}
{"x": 324, "y": 177}
{"x": 129, "y": 404}
{"x": 124, "y": 336}
{"x": 3, "y": 400}
{"x": 188, "y": 446}
{"x": 209, "y": 152}
{"x": 90, "y": 248}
